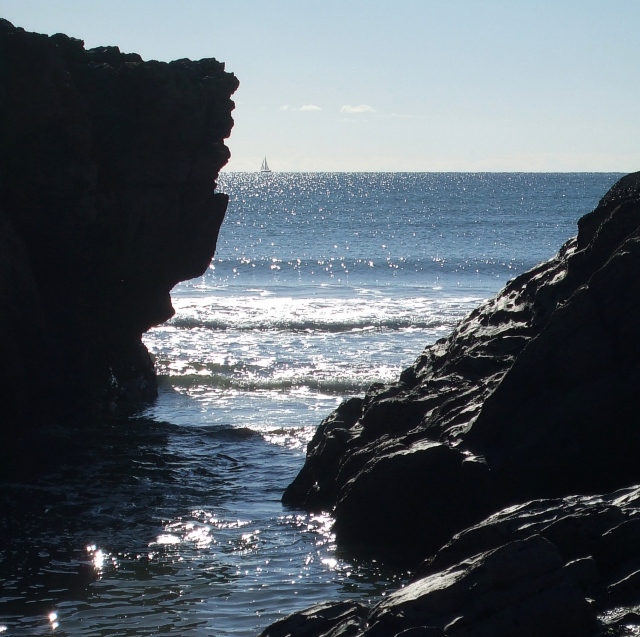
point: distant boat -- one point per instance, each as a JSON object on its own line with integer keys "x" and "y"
{"x": 265, "y": 167}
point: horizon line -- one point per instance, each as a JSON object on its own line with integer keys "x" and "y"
{"x": 443, "y": 172}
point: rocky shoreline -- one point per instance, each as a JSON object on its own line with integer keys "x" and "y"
{"x": 488, "y": 460}
{"x": 501, "y": 466}
{"x": 107, "y": 200}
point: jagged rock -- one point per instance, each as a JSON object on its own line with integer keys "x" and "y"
{"x": 518, "y": 589}
{"x": 597, "y": 536}
{"x": 567, "y": 566}
{"x": 533, "y": 395}
{"x": 108, "y": 168}
{"x": 527, "y": 409}
{"x": 342, "y": 619}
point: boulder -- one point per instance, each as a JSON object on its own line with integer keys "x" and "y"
{"x": 107, "y": 200}
{"x": 341, "y": 619}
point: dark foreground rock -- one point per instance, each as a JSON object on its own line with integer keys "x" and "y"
{"x": 533, "y": 395}
{"x": 559, "y": 568}
{"x": 108, "y": 168}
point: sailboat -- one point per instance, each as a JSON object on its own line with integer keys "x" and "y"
{"x": 265, "y": 167}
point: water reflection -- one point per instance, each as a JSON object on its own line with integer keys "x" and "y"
{"x": 53, "y": 620}
{"x": 151, "y": 528}
{"x": 97, "y": 557}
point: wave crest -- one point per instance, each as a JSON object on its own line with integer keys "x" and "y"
{"x": 309, "y": 324}
{"x": 257, "y": 384}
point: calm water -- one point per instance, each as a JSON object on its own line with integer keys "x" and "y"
{"x": 170, "y": 521}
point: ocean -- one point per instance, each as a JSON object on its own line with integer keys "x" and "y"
{"x": 169, "y": 520}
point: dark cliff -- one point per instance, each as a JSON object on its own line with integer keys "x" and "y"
{"x": 108, "y": 168}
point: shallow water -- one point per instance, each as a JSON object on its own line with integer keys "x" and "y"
{"x": 149, "y": 527}
{"x": 170, "y": 521}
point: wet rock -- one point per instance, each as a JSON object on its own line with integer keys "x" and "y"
{"x": 383, "y": 497}
{"x": 593, "y": 535}
{"x": 533, "y": 395}
{"x": 342, "y": 619}
{"x": 580, "y": 527}
{"x": 583, "y": 572}
{"x": 484, "y": 457}
{"x": 107, "y": 200}
{"x": 517, "y": 589}
{"x": 545, "y": 567}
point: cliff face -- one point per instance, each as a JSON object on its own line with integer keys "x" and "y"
{"x": 533, "y": 395}
{"x": 108, "y": 170}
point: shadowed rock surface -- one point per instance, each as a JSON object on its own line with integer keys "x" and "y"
{"x": 568, "y": 566}
{"x": 108, "y": 170}
{"x": 533, "y": 395}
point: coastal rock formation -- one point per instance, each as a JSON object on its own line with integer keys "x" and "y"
{"x": 569, "y": 566}
{"x": 108, "y": 170}
{"x": 482, "y": 460}
{"x": 533, "y": 395}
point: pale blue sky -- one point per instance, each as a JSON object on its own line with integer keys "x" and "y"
{"x": 417, "y": 85}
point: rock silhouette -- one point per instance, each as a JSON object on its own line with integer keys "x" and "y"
{"x": 107, "y": 200}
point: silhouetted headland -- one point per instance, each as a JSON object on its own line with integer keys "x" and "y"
{"x": 107, "y": 200}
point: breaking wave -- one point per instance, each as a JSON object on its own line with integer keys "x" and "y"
{"x": 256, "y": 384}
{"x": 312, "y": 324}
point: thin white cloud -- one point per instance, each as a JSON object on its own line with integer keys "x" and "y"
{"x": 362, "y": 108}
{"x": 305, "y": 107}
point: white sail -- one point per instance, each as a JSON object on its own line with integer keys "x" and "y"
{"x": 265, "y": 167}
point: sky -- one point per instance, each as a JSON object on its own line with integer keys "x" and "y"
{"x": 396, "y": 85}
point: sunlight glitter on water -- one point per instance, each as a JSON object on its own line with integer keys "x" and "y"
{"x": 166, "y": 539}
{"x": 291, "y": 438}
{"x": 97, "y": 557}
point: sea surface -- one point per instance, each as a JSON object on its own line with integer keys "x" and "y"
{"x": 169, "y": 521}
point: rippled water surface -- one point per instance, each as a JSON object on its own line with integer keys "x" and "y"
{"x": 169, "y": 521}
{"x": 149, "y": 527}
